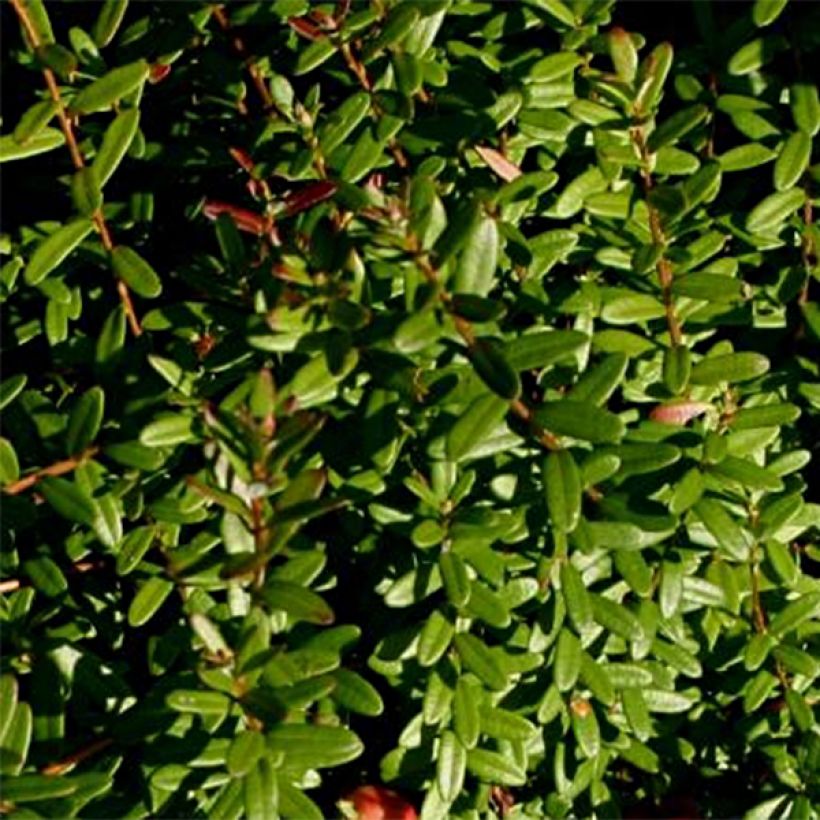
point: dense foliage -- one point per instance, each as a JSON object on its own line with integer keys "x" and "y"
{"x": 418, "y": 394}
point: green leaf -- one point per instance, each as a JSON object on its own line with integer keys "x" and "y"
{"x": 804, "y": 608}
{"x": 108, "y": 89}
{"x": 198, "y": 702}
{"x": 805, "y": 107}
{"x": 466, "y": 712}
{"x": 417, "y": 332}
{"x": 28, "y": 788}
{"x": 495, "y": 371}
{"x": 85, "y": 192}
{"x": 562, "y": 482}
{"x": 300, "y": 603}
{"x": 687, "y": 491}
{"x": 434, "y": 639}
{"x": 616, "y": 618}
{"x": 400, "y": 20}
{"x": 260, "y": 790}
{"x": 245, "y": 749}
{"x": 68, "y": 500}
{"x": 770, "y": 212}
{"x": 585, "y": 727}
{"x": 16, "y": 741}
{"x": 765, "y": 12}
{"x": 487, "y": 606}
{"x": 314, "y": 746}
{"x": 576, "y": 597}
{"x": 9, "y": 465}
{"x": 451, "y": 765}
{"x": 11, "y": 387}
{"x": 769, "y": 415}
{"x": 344, "y": 119}
{"x": 755, "y": 54}
{"x": 676, "y": 126}
{"x": 567, "y": 660}
{"x": 504, "y": 725}
{"x": 46, "y": 576}
{"x": 34, "y": 120}
{"x": 677, "y": 367}
{"x": 85, "y": 420}
{"x": 357, "y": 694}
{"x": 623, "y": 53}
{"x": 168, "y": 431}
{"x": 730, "y": 367}
{"x": 480, "y": 419}
{"x": 492, "y": 767}
{"x": 637, "y": 307}
{"x": 135, "y": 272}
{"x": 553, "y": 66}
{"x": 455, "y": 579}
{"x": 479, "y": 660}
{"x": 115, "y": 143}
{"x": 133, "y": 548}
{"x": 580, "y": 420}
{"x": 746, "y": 473}
{"x": 55, "y": 248}
{"x": 38, "y": 17}
{"x": 726, "y": 531}
{"x": 315, "y": 382}
{"x": 571, "y": 200}
{"x": 8, "y": 702}
{"x": 712, "y": 287}
{"x": 532, "y": 351}
{"x": 108, "y": 21}
{"x": 601, "y": 381}
{"x": 475, "y": 271}
{"x": 742, "y": 157}
{"x": 792, "y": 161}
{"x": 149, "y": 598}
{"x": 652, "y": 74}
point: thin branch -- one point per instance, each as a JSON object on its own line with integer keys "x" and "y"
{"x": 70, "y": 761}
{"x": 664, "y": 267}
{"x": 465, "y": 329}
{"x": 67, "y": 465}
{"x": 239, "y": 46}
{"x": 76, "y": 158}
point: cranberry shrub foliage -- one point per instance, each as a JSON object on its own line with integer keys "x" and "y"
{"x": 418, "y": 393}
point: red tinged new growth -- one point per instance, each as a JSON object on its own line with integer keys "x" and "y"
{"x": 507, "y": 170}
{"x": 679, "y": 412}
{"x": 309, "y": 196}
{"x": 245, "y": 220}
{"x": 378, "y": 803}
{"x": 305, "y": 28}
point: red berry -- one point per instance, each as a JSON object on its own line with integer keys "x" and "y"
{"x": 377, "y": 803}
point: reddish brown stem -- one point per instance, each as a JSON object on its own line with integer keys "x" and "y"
{"x": 663, "y": 266}
{"x": 62, "y": 766}
{"x": 465, "y": 329}
{"x": 239, "y": 46}
{"x": 56, "y": 469}
{"x": 76, "y": 158}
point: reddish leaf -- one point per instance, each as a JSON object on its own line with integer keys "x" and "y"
{"x": 499, "y": 163}
{"x": 378, "y": 803}
{"x": 309, "y": 196}
{"x": 158, "y": 73}
{"x": 679, "y": 412}
{"x": 245, "y": 220}
{"x": 305, "y": 28}
{"x": 243, "y": 158}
